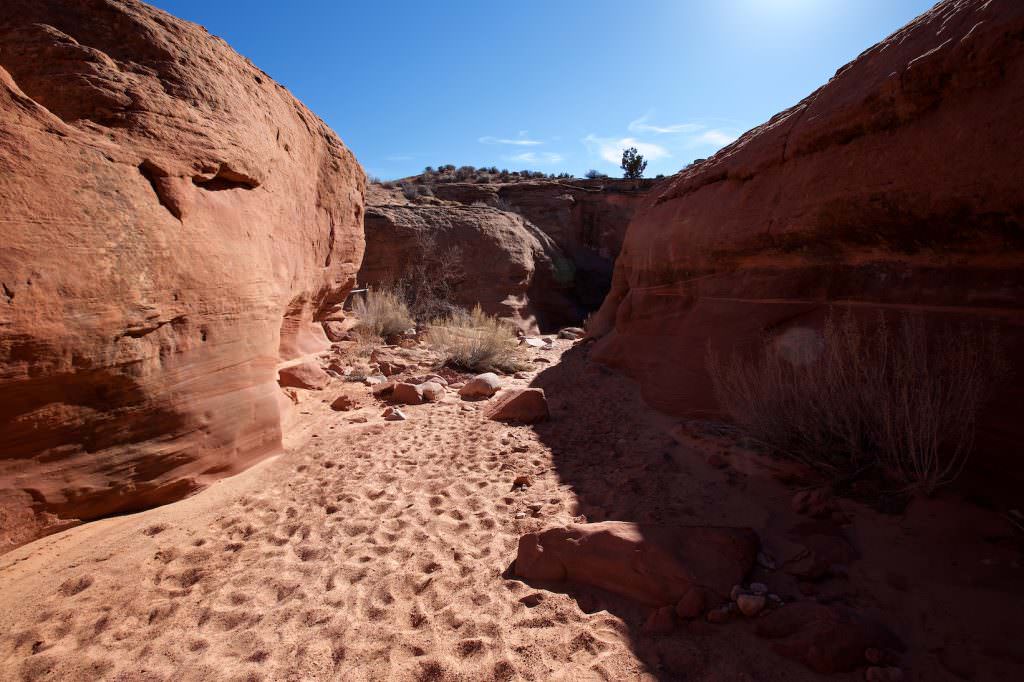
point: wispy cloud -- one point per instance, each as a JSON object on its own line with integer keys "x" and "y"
{"x": 522, "y": 140}
{"x": 610, "y": 149}
{"x": 536, "y": 157}
{"x": 641, "y": 125}
{"x": 718, "y": 138}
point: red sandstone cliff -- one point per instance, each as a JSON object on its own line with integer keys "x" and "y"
{"x": 896, "y": 186}
{"x": 173, "y": 223}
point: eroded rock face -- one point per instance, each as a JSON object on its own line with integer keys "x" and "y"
{"x": 895, "y": 186}
{"x": 497, "y": 259}
{"x": 587, "y": 220}
{"x": 174, "y": 222}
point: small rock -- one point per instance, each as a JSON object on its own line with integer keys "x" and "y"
{"x": 481, "y": 386}
{"x": 691, "y": 605}
{"x": 383, "y": 389}
{"x": 716, "y": 461}
{"x": 374, "y": 380}
{"x": 425, "y": 378}
{"x": 407, "y": 394}
{"x": 766, "y": 560}
{"x": 758, "y": 588}
{"x": 879, "y": 674}
{"x": 720, "y": 615}
{"x": 468, "y": 408}
{"x": 344, "y": 403}
{"x": 534, "y": 343}
{"x": 571, "y": 333}
{"x": 751, "y": 604}
{"x": 521, "y": 515}
{"x": 660, "y": 622}
{"x": 393, "y": 414}
{"x": 521, "y": 375}
{"x": 358, "y": 419}
{"x": 775, "y": 600}
{"x": 524, "y": 405}
{"x": 432, "y": 391}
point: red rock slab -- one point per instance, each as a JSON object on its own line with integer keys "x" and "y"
{"x": 653, "y": 564}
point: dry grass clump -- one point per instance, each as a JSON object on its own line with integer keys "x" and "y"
{"x": 893, "y": 398}
{"x": 382, "y": 313}
{"x": 476, "y": 341}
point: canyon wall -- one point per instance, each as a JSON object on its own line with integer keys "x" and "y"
{"x": 896, "y": 186}
{"x": 537, "y": 252}
{"x": 174, "y": 225}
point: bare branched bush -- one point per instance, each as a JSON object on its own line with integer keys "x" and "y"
{"x": 382, "y": 313}
{"x": 857, "y": 397}
{"x": 476, "y": 341}
{"x": 428, "y": 283}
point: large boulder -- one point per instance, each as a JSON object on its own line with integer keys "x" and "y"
{"x": 470, "y": 255}
{"x": 653, "y": 564}
{"x": 894, "y": 187}
{"x": 175, "y": 225}
{"x": 587, "y": 219}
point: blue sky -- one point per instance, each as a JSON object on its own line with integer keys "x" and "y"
{"x": 552, "y": 85}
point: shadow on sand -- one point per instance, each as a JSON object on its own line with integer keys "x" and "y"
{"x": 615, "y": 454}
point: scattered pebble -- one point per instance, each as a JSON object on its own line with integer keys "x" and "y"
{"x": 751, "y": 604}
{"x": 393, "y": 414}
{"x": 521, "y": 515}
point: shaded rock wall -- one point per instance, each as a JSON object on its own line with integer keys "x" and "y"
{"x": 895, "y": 186}
{"x": 504, "y": 263}
{"x": 587, "y": 219}
{"x": 173, "y": 224}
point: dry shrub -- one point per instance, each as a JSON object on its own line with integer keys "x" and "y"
{"x": 428, "y": 283}
{"x": 476, "y": 342}
{"x": 894, "y": 398}
{"x": 382, "y": 313}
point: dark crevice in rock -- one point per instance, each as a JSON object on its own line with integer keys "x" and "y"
{"x": 330, "y": 245}
{"x": 225, "y": 178}
{"x": 156, "y": 177}
{"x": 8, "y": 294}
{"x": 142, "y": 330}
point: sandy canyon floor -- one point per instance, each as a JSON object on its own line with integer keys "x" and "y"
{"x": 379, "y": 551}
